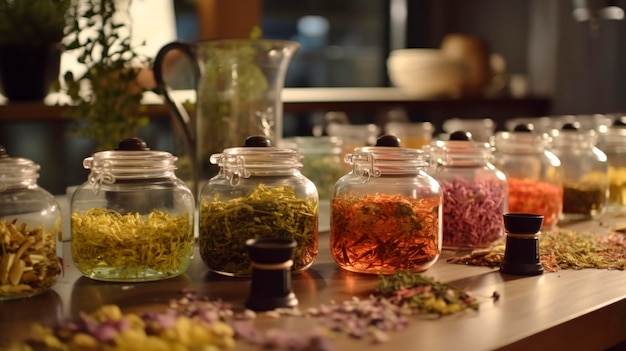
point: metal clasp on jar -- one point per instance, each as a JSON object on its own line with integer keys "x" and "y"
{"x": 363, "y": 165}
{"x": 101, "y": 172}
{"x": 231, "y": 167}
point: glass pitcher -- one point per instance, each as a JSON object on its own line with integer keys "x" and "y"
{"x": 237, "y": 84}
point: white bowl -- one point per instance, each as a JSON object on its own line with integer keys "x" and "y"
{"x": 425, "y": 73}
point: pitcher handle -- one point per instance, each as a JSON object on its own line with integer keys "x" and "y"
{"x": 182, "y": 117}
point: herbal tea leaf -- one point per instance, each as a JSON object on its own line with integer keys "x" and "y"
{"x": 561, "y": 249}
{"x": 425, "y": 294}
{"x": 275, "y": 212}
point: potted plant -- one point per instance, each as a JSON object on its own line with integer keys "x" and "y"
{"x": 30, "y": 46}
{"x": 106, "y": 98}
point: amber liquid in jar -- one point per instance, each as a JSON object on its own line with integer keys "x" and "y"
{"x": 385, "y": 233}
{"x": 617, "y": 186}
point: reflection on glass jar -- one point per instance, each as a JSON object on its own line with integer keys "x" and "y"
{"x": 613, "y": 144}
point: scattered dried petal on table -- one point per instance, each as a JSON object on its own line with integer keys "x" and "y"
{"x": 192, "y": 323}
{"x": 562, "y": 249}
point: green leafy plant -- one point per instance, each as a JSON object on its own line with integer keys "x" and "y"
{"x": 32, "y": 22}
{"x": 107, "y": 96}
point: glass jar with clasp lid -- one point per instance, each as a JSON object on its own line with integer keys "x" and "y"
{"x": 133, "y": 219}
{"x": 612, "y": 142}
{"x": 585, "y": 172}
{"x": 321, "y": 160}
{"x": 386, "y": 212}
{"x": 259, "y": 192}
{"x": 533, "y": 172}
{"x": 30, "y": 230}
{"x": 475, "y": 192}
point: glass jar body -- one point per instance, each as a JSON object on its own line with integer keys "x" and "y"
{"x": 534, "y": 175}
{"x": 133, "y": 230}
{"x": 30, "y": 246}
{"x": 388, "y": 222}
{"x": 585, "y": 175}
{"x": 474, "y": 200}
{"x": 613, "y": 144}
{"x": 474, "y": 193}
{"x": 270, "y": 205}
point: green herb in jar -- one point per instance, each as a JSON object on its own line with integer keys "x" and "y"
{"x": 275, "y": 212}
{"x": 110, "y": 246}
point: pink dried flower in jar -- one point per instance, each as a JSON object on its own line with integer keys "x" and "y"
{"x": 472, "y": 212}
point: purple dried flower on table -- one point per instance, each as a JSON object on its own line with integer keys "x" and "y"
{"x": 105, "y": 332}
{"x": 247, "y": 331}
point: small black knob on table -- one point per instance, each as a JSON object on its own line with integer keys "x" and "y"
{"x": 271, "y": 273}
{"x": 521, "y": 254}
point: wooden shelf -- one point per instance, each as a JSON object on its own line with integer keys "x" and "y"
{"x": 304, "y": 100}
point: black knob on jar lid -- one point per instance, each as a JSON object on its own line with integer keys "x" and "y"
{"x": 524, "y": 127}
{"x": 461, "y": 136}
{"x": 571, "y": 126}
{"x": 257, "y": 141}
{"x": 3, "y": 152}
{"x": 132, "y": 144}
{"x": 388, "y": 140}
{"x": 522, "y": 223}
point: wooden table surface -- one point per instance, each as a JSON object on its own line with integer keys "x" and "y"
{"x": 566, "y": 310}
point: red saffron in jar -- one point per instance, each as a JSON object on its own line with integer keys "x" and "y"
{"x": 472, "y": 212}
{"x": 537, "y": 197}
{"x": 380, "y": 233}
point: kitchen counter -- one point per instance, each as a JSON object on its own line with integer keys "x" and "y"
{"x": 566, "y": 310}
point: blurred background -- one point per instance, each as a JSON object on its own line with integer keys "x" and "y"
{"x": 551, "y": 57}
